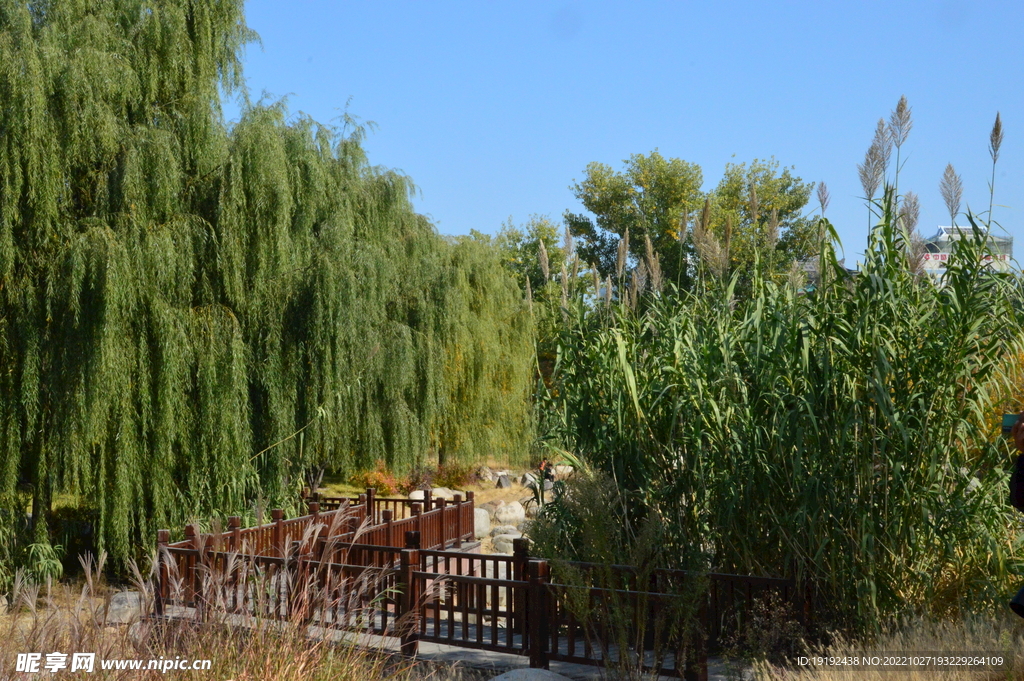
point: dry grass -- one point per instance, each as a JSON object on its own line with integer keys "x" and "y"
{"x": 1001, "y": 634}
{"x": 73, "y": 619}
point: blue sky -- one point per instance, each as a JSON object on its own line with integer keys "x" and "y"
{"x": 495, "y": 108}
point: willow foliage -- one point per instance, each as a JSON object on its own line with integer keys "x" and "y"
{"x": 191, "y": 316}
{"x": 837, "y": 435}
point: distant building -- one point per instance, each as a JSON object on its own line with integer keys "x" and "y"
{"x": 939, "y": 250}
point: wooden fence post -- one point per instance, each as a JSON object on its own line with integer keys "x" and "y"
{"x": 458, "y": 521}
{"x": 417, "y": 512}
{"x": 409, "y": 602}
{"x": 538, "y": 608}
{"x": 387, "y": 516}
{"x": 163, "y": 537}
{"x": 235, "y": 528}
{"x": 277, "y": 515}
{"x": 520, "y": 559}
{"x": 371, "y": 512}
{"x": 191, "y": 563}
{"x": 412, "y": 540}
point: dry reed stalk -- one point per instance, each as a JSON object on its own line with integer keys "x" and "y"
{"x": 542, "y": 255}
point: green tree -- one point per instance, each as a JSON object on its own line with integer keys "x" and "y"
{"x": 191, "y": 316}
{"x": 521, "y": 250}
{"x": 650, "y": 197}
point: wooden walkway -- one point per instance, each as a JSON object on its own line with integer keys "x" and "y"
{"x": 360, "y": 567}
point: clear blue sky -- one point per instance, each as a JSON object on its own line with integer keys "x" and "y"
{"x": 495, "y": 108}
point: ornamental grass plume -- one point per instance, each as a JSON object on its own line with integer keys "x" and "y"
{"x": 620, "y": 260}
{"x": 900, "y": 123}
{"x": 823, "y": 197}
{"x": 952, "y": 190}
{"x": 876, "y": 160}
{"x": 995, "y": 140}
{"x": 545, "y": 267}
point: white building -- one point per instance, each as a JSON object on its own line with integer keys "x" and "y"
{"x": 939, "y": 250}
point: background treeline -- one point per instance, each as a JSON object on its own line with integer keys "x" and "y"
{"x": 193, "y": 317}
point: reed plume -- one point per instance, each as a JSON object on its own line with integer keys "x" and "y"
{"x": 823, "y": 197}
{"x": 995, "y": 140}
{"x": 900, "y": 123}
{"x": 952, "y": 190}
{"x": 545, "y": 267}
{"x": 620, "y": 261}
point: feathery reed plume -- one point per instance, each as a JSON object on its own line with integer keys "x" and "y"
{"x": 709, "y": 249}
{"x": 608, "y": 291}
{"x": 952, "y": 190}
{"x": 529, "y": 294}
{"x": 656, "y": 277}
{"x": 872, "y": 171}
{"x": 772, "y": 235}
{"x": 596, "y": 279}
{"x": 728, "y": 239}
{"x": 823, "y": 197}
{"x": 900, "y": 124}
{"x": 995, "y": 140}
{"x": 910, "y": 212}
{"x": 653, "y": 264}
{"x": 565, "y": 287}
{"x": 620, "y": 261}
{"x": 568, "y": 244}
{"x": 754, "y": 204}
{"x": 544, "y": 264}
{"x": 884, "y": 142}
{"x": 705, "y": 214}
{"x": 684, "y": 225}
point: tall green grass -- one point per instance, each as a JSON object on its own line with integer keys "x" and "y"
{"x": 834, "y": 433}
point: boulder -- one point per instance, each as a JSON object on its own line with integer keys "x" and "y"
{"x": 527, "y": 674}
{"x": 532, "y": 510}
{"x": 443, "y": 493}
{"x": 486, "y": 474}
{"x": 527, "y": 479}
{"x": 503, "y": 542}
{"x": 503, "y": 482}
{"x": 504, "y": 529}
{"x": 417, "y": 495}
{"x": 482, "y": 523}
{"x": 125, "y": 606}
{"x": 491, "y": 505}
{"x": 562, "y": 472}
{"x": 510, "y": 514}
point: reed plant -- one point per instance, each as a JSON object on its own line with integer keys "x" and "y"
{"x": 834, "y": 433}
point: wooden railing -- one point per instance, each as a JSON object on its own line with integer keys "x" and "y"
{"x": 337, "y": 569}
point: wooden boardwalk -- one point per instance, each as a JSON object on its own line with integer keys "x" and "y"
{"x": 411, "y": 572}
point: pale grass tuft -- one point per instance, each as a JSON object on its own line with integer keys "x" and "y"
{"x": 952, "y": 190}
{"x": 900, "y": 122}
{"x": 620, "y": 261}
{"x": 545, "y": 267}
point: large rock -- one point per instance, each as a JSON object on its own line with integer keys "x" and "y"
{"x": 510, "y": 514}
{"x": 562, "y": 472}
{"x": 503, "y": 542}
{"x": 527, "y": 479}
{"x": 504, "y": 529}
{"x": 486, "y": 474}
{"x": 443, "y": 493}
{"x": 491, "y": 505}
{"x": 482, "y": 523}
{"x": 530, "y": 675}
{"x": 125, "y": 606}
{"x": 417, "y": 495}
{"x": 503, "y": 482}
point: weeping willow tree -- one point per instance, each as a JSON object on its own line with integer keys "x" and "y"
{"x": 192, "y": 315}
{"x": 837, "y": 435}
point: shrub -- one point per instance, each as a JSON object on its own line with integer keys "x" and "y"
{"x": 380, "y": 477}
